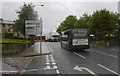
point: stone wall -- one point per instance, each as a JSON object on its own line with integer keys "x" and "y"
{"x": 13, "y": 48}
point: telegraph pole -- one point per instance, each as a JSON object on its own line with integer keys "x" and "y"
{"x": 41, "y": 30}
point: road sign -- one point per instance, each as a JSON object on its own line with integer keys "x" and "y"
{"x": 33, "y": 27}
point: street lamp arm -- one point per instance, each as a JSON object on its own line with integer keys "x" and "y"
{"x": 39, "y": 5}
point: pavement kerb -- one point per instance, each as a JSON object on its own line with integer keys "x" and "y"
{"x": 28, "y": 56}
{"x": 37, "y": 54}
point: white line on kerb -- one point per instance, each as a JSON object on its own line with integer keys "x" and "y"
{"x": 109, "y": 69}
{"x": 79, "y": 55}
{"x": 57, "y": 71}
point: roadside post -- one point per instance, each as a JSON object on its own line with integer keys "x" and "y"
{"x": 41, "y": 30}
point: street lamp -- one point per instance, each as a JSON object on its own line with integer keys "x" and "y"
{"x": 41, "y": 24}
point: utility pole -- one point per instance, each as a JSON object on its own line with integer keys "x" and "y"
{"x": 41, "y": 29}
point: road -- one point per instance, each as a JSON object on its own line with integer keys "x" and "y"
{"x": 93, "y": 62}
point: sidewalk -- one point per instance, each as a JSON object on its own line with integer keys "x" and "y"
{"x": 34, "y": 50}
{"x": 20, "y": 63}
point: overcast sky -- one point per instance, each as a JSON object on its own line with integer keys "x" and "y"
{"x": 54, "y": 12}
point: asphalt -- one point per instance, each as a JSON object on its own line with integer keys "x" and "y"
{"x": 101, "y": 61}
{"x": 22, "y": 60}
{"x": 7, "y": 69}
{"x": 55, "y": 60}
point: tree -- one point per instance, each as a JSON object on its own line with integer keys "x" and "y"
{"x": 26, "y": 12}
{"x": 118, "y": 25}
{"x": 68, "y": 23}
{"x": 102, "y": 22}
{"x": 83, "y": 21}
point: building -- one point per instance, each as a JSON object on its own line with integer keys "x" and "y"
{"x": 6, "y": 26}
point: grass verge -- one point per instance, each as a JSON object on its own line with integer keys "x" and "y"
{"x": 5, "y": 40}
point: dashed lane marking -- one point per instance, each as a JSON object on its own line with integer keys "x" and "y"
{"x": 54, "y": 63}
{"x": 79, "y": 55}
{"x": 48, "y": 67}
{"x": 115, "y": 50}
{"x": 47, "y": 63}
{"x": 57, "y": 71}
{"x": 51, "y": 59}
{"x": 104, "y": 53}
{"x": 55, "y": 67}
{"x": 50, "y": 48}
{"x": 109, "y": 69}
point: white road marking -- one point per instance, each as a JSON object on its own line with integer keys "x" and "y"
{"x": 109, "y": 69}
{"x": 34, "y": 70}
{"x": 26, "y": 65}
{"x": 47, "y": 57}
{"x": 47, "y": 63}
{"x": 8, "y": 71}
{"x": 53, "y": 63}
{"x": 105, "y": 53}
{"x": 115, "y": 50}
{"x": 79, "y": 55}
{"x": 50, "y": 48}
{"x": 57, "y": 71}
{"x": 48, "y": 67}
{"x": 83, "y": 68}
{"x": 53, "y": 60}
{"x": 55, "y": 67}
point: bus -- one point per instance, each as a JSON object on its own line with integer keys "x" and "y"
{"x": 72, "y": 39}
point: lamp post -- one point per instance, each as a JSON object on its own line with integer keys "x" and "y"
{"x": 41, "y": 30}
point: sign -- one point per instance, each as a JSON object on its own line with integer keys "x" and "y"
{"x": 33, "y": 27}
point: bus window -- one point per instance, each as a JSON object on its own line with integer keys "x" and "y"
{"x": 80, "y": 34}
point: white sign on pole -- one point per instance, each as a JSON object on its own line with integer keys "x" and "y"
{"x": 33, "y": 27}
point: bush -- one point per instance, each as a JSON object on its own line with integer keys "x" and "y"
{"x": 9, "y": 35}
